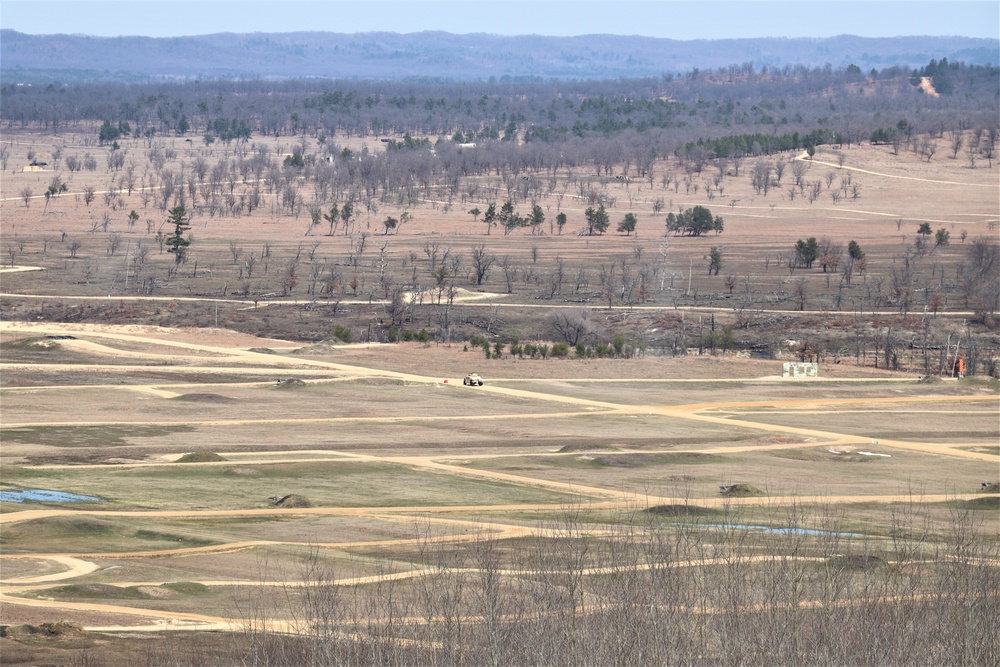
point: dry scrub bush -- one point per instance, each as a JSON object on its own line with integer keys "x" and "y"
{"x": 641, "y": 592}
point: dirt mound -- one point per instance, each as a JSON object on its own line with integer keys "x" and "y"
{"x": 34, "y": 343}
{"x": 641, "y": 460}
{"x": 620, "y": 461}
{"x": 681, "y": 510}
{"x": 262, "y": 350}
{"x": 58, "y": 629}
{"x": 94, "y": 591}
{"x": 317, "y": 349}
{"x": 200, "y": 457}
{"x": 188, "y": 588}
{"x": 293, "y": 500}
{"x": 155, "y": 592}
{"x": 739, "y": 490}
{"x": 204, "y": 398}
{"x": 585, "y": 447}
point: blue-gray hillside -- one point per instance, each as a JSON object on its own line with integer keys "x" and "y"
{"x": 445, "y": 56}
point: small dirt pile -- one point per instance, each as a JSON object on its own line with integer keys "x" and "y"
{"x": 200, "y": 457}
{"x": 293, "y": 500}
{"x": 740, "y": 490}
{"x": 61, "y": 629}
{"x": 587, "y": 447}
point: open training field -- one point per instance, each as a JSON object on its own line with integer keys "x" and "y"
{"x": 248, "y": 471}
{"x": 366, "y": 478}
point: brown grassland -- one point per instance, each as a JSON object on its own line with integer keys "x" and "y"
{"x": 672, "y": 500}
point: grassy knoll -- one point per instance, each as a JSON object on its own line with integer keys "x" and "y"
{"x": 88, "y": 436}
{"x": 333, "y": 484}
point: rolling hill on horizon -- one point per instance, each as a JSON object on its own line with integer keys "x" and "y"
{"x": 67, "y": 59}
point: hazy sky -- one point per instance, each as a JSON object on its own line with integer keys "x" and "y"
{"x": 654, "y": 18}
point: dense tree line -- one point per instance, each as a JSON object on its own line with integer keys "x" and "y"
{"x": 735, "y": 108}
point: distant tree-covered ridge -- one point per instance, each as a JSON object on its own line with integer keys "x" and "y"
{"x": 440, "y": 56}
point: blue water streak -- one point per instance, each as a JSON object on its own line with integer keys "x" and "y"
{"x": 45, "y": 496}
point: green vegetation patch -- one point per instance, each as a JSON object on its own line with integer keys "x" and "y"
{"x": 274, "y": 471}
{"x": 69, "y": 527}
{"x": 984, "y": 503}
{"x": 173, "y": 538}
{"x": 985, "y": 449}
{"x": 683, "y": 510}
{"x": 189, "y": 588}
{"x": 24, "y": 473}
{"x": 641, "y": 460}
{"x": 980, "y": 381}
{"x": 109, "y": 592}
{"x": 588, "y": 447}
{"x": 96, "y": 591}
{"x": 333, "y": 484}
{"x": 237, "y": 522}
{"x": 243, "y": 471}
{"x": 100, "y": 534}
{"x": 88, "y": 436}
{"x": 200, "y": 457}
{"x": 203, "y": 398}
{"x": 44, "y": 350}
{"x": 30, "y": 344}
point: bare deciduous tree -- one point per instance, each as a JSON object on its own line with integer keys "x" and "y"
{"x": 571, "y": 325}
{"x": 482, "y": 261}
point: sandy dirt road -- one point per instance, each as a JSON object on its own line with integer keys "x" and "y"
{"x": 491, "y": 300}
{"x": 166, "y": 620}
{"x": 805, "y": 157}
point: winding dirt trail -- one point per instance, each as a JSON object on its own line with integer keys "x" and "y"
{"x": 804, "y": 156}
{"x": 75, "y": 567}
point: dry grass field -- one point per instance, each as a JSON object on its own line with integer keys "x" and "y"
{"x": 313, "y": 501}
